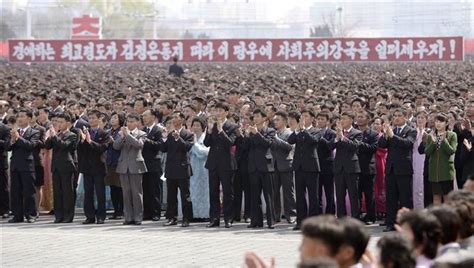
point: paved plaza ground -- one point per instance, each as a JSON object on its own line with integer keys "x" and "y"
{"x": 45, "y": 244}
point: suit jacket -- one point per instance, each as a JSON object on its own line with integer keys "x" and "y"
{"x": 367, "y": 149}
{"x": 4, "y": 144}
{"x": 131, "y": 160}
{"x": 91, "y": 160}
{"x": 346, "y": 159}
{"x": 400, "y": 148}
{"x": 178, "y": 164}
{"x": 242, "y": 153}
{"x": 260, "y": 154}
{"x": 220, "y": 154}
{"x": 22, "y": 158}
{"x": 176, "y": 70}
{"x": 325, "y": 152}
{"x": 283, "y": 151}
{"x": 467, "y": 160}
{"x": 37, "y": 152}
{"x": 78, "y": 140}
{"x": 306, "y": 150}
{"x": 152, "y": 148}
{"x": 63, "y": 151}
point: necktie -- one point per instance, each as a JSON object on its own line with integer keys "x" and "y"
{"x": 147, "y": 130}
{"x": 397, "y": 130}
{"x": 346, "y": 133}
{"x": 22, "y": 132}
{"x": 93, "y": 133}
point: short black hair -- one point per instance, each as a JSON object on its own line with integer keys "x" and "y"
{"x": 295, "y": 115}
{"x": 133, "y": 116}
{"x": 355, "y": 236}
{"x": 400, "y": 110}
{"x": 282, "y": 114}
{"x": 97, "y": 113}
{"x": 426, "y": 230}
{"x": 222, "y": 105}
{"x": 310, "y": 112}
{"x": 260, "y": 111}
{"x": 326, "y": 229}
{"x": 348, "y": 114}
{"x": 65, "y": 115}
{"x": 396, "y": 251}
{"x": 324, "y": 114}
{"x": 450, "y": 222}
{"x": 142, "y": 99}
{"x": 176, "y": 114}
{"x": 27, "y": 111}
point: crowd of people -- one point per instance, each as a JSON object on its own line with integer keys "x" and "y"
{"x": 254, "y": 143}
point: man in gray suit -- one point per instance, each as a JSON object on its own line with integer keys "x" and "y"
{"x": 283, "y": 154}
{"x": 131, "y": 167}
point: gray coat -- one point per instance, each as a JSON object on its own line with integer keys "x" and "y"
{"x": 283, "y": 151}
{"x": 131, "y": 160}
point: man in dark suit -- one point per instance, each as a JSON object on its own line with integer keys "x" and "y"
{"x": 305, "y": 164}
{"x": 242, "y": 181}
{"x": 175, "y": 69}
{"x": 4, "y": 193}
{"x": 75, "y": 156}
{"x": 399, "y": 165}
{"x": 23, "y": 143}
{"x": 152, "y": 183}
{"x": 326, "y": 162}
{"x": 93, "y": 144}
{"x": 283, "y": 155}
{"x": 366, "y": 154}
{"x": 178, "y": 169}
{"x": 261, "y": 167}
{"x": 346, "y": 165}
{"x": 221, "y": 163}
{"x": 64, "y": 144}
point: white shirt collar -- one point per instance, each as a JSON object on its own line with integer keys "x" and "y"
{"x": 24, "y": 129}
{"x": 151, "y": 127}
{"x": 402, "y": 127}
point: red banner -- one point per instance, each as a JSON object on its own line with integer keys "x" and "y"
{"x": 239, "y": 50}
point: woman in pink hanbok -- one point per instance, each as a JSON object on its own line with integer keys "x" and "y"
{"x": 380, "y": 159}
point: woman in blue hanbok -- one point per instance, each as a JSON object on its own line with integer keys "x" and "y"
{"x": 199, "y": 183}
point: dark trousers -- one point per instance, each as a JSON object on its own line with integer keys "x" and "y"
{"x": 347, "y": 182}
{"x": 216, "y": 178}
{"x": 366, "y": 188}
{"x": 116, "y": 195}
{"x": 284, "y": 181}
{"x": 4, "y": 193}
{"x": 241, "y": 185}
{"x": 306, "y": 182}
{"x": 151, "y": 195}
{"x": 97, "y": 183}
{"x": 75, "y": 181}
{"x": 459, "y": 178}
{"x": 427, "y": 190}
{"x": 261, "y": 181}
{"x": 172, "y": 186}
{"x": 398, "y": 189}
{"x": 63, "y": 194}
{"x": 326, "y": 180}
{"x": 22, "y": 194}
